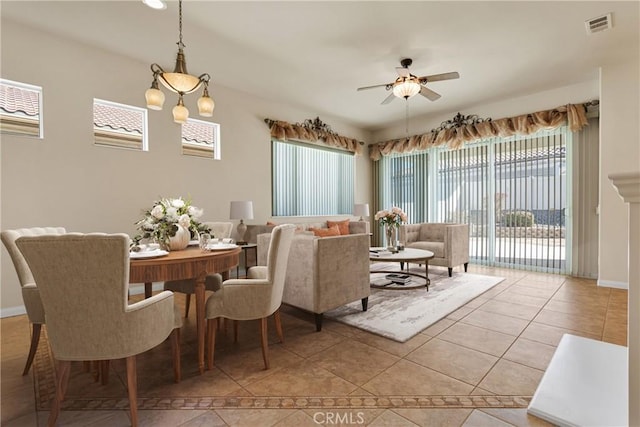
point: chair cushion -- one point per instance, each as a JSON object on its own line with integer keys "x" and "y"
{"x": 436, "y": 247}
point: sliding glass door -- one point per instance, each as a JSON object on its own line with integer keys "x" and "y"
{"x": 512, "y": 192}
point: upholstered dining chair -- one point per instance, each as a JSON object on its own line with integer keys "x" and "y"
{"x": 256, "y": 297}
{"x": 30, "y": 293}
{"x": 220, "y": 230}
{"x": 83, "y": 281}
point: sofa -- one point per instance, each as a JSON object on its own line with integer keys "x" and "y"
{"x": 324, "y": 273}
{"x": 449, "y": 242}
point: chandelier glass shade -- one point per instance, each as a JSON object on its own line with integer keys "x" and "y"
{"x": 181, "y": 82}
{"x": 406, "y": 87}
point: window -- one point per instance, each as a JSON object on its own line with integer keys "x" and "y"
{"x": 201, "y": 139}
{"x": 120, "y": 126}
{"x": 20, "y": 109}
{"x": 309, "y": 180}
{"x": 512, "y": 192}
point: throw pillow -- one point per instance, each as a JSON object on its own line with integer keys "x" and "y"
{"x": 343, "y": 226}
{"x": 326, "y": 232}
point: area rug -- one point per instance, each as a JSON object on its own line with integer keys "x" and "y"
{"x": 400, "y": 312}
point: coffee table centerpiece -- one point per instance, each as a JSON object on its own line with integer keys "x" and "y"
{"x": 171, "y": 222}
{"x": 391, "y": 219}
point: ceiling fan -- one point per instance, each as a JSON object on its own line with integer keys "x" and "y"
{"x": 408, "y": 85}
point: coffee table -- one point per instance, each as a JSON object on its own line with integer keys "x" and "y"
{"x": 418, "y": 256}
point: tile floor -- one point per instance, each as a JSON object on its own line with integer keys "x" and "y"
{"x": 477, "y": 367}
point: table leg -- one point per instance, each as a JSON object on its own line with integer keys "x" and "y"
{"x": 200, "y": 320}
{"x": 426, "y": 273}
{"x": 148, "y": 287}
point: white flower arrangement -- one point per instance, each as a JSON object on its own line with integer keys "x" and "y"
{"x": 393, "y": 217}
{"x": 161, "y": 221}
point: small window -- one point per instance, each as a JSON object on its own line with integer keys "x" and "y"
{"x": 20, "y": 109}
{"x": 119, "y": 125}
{"x": 201, "y": 139}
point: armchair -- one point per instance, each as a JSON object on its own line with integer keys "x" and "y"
{"x": 83, "y": 281}
{"x": 449, "y": 242}
{"x": 30, "y": 293}
{"x": 256, "y": 297}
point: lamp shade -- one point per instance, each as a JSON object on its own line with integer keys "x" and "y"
{"x": 180, "y": 114}
{"x": 361, "y": 209}
{"x": 205, "y": 106}
{"x": 406, "y": 87}
{"x": 155, "y": 98}
{"x": 241, "y": 210}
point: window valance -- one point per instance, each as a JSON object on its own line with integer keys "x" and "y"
{"x": 462, "y": 131}
{"x": 312, "y": 131}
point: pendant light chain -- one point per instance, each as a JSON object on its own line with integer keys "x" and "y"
{"x": 180, "y": 44}
{"x": 406, "y": 119}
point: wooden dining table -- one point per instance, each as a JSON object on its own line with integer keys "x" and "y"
{"x": 190, "y": 263}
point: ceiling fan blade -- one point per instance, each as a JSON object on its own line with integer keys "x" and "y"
{"x": 402, "y": 72}
{"x": 388, "y": 99}
{"x": 372, "y": 87}
{"x": 439, "y": 77}
{"x": 429, "y": 94}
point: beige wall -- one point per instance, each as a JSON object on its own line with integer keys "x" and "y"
{"x": 619, "y": 152}
{"x": 64, "y": 180}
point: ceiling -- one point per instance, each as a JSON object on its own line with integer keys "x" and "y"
{"x": 315, "y": 54}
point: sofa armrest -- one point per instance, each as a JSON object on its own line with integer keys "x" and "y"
{"x": 456, "y": 243}
{"x": 358, "y": 227}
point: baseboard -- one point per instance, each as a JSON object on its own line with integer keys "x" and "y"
{"x": 133, "y": 290}
{"x": 612, "y": 284}
{"x": 12, "y": 311}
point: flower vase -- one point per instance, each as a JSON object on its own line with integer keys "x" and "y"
{"x": 390, "y": 232}
{"x": 181, "y": 240}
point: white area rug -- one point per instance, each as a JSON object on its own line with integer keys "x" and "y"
{"x": 399, "y": 314}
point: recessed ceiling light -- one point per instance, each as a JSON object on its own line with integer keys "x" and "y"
{"x": 155, "y": 4}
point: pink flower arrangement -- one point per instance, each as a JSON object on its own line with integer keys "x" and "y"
{"x": 393, "y": 217}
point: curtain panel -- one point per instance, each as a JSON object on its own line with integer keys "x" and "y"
{"x": 572, "y": 114}
{"x": 285, "y": 131}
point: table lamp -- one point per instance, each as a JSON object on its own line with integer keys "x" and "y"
{"x": 361, "y": 210}
{"x": 241, "y": 210}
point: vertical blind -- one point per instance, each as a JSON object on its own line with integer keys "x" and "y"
{"x": 512, "y": 193}
{"x": 310, "y": 180}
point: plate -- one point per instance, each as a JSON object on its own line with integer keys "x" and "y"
{"x": 155, "y": 253}
{"x": 221, "y": 246}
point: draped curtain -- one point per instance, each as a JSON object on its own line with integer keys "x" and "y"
{"x": 284, "y": 131}
{"x": 572, "y": 114}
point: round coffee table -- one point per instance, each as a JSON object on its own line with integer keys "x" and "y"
{"x": 419, "y": 256}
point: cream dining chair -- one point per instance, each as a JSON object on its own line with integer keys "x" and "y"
{"x": 83, "y": 281}
{"x": 30, "y": 293}
{"x": 220, "y": 230}
{"x": 256, "y": 297}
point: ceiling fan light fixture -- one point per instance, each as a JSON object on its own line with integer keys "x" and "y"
{"x": 155, "y": 4}
{"x": 406, "y": 87}
{"x": 181, "y": 82}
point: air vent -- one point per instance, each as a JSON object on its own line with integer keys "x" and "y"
{"x": 598, "y": 24}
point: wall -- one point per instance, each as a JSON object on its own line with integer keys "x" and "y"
{"x": 64, "y": 180}
{"x": 619, "y": 152}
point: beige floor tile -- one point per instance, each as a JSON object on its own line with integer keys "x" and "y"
{"x": 518, "y": 298}
{"x": 28, "y": 420}
{"x": 253, "y": 417}
{"x": 510, "y": 378}
{"x": 354, "y": 361}
{"x": 460, "y": 313}
{"x": 481, "y": 392}
{"x": 311, "y": 342}
{"x": 438, "y": 327}
{"x": 520, "y": 311}
{"x": 435, "y": 417}
{"x": 207, "y": 419}
{"x": 530, "y": 353}
{"x": 482, "y": 419}
{"x": 570, "y": 307}
{"x": 531, "y": 291}
{"x": 391, "y": 419}
{"x": 343, "y": 417}
{"x": 453, "y": 360}
{"x": 516, "y": 417}
{"x": 477, "y": 302}
{"x": 394, "y": 347}
{"x": 297, "y": 419}
{"x": 302, "y": 379}
{"x": 408, "y": 378}
{"x": 551, "y": 335}
{"x": 481, "y": 339}
{"x": 94, "y": 418}
{"x": 496, "y": 322}
{"x": 574, "y": 322}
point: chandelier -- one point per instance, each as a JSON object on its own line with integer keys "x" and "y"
{"x": 180, "y": 82}
{"x": 406, "y": 87}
